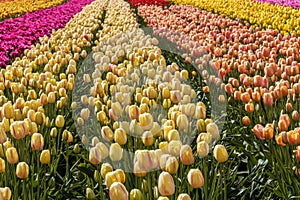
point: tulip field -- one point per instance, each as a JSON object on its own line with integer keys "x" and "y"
{"x": 149, "y": 99}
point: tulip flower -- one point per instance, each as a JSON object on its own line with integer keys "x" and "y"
{"x": 195, "y": 178}
{"x": 166, "y": 184}
{"x": 95, "y": 156}
{"x": 3, "y": 136}
{"x": 2, "y": 165}
{"x": 172, "y": 165}
{"x": 146, "y": 121}
{"x": 117, "y": 191}
{"x": 12, "y": 155}
{"x": 136, "y": 194}
{"x": 45, "y": 157}
{"x": 59, "y": 121}
{"x": 115, "y": 152}
{"x": 258, "y": 131}
{"x": 293, "y": 137}
{"x": 186, "y": 155}
{"x": 183, "y": 196}
{"x": 213, "y": 129}
{"x": 182, "y": 123}
{"x": 105, "y": 168}
{"x": 202, "y": 149}
{"x": 220, "y": 153}
{"x": 174, "y": 147}
{"x": 90, "y": 195}
{"x": 103, "y": 150}
{"x": 5, "y": 193}
{"x": 268, "y": 99}
{"x": 120, "y": 136}
{"x": 22, "y": 170}
{"x": 37, "y": 141}
{"x": 107, "y": 133}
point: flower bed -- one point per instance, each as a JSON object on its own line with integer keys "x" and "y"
{"x": 15, "y": 8}
{"x": 281, "y": 18}
{"x": 290, "y": 3}
{"x": 260, "y": 70}
{"x": 36, "y": 129}
{"x": 20, "y": 33}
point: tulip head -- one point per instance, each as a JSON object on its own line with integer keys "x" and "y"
{"x": 12, "y": 155}
{"x": 37, "y": 141}
{"x": 195, "y": 178}
{"x": 95, "y": 155}
{"x": 220, "y": 153}
{"x": 22, "y": 170}
{"x": 186, "y": 155}
{"x": 45, "y": 157}
{"x": 117, "y": 191}
{"x": 166, "y": 184}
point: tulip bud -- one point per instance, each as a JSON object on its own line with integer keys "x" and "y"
{"x": 105, "y": 168}
{"x": 258, "y": 131}
{"x": 202, "y": 149}
{"x": 22, "y": 170}
{"x": 5, "y": 193}
{"x": 147, "y": 138}
{"x": 12, "y": 155}
{"x": 268, "y": 99}
{"x": 206, "y": 137}
{"x": 59, "y": 121}
{"x": 195, "y": 178}
{"x": 200, "y": 112}
{"x": 120, "y": 136}
{"x": 95, "y": 155}
{"x": 45, "y": 157}
{"x": 103, "y": 150}
{"x": 175, "y": 96}
{"x": 117, "y": 191}
{"x": 293, "y": 136}
{"x": 163, "y": 198}
{"x": 53, "y": 132}
{"x": 174, "y": 147}
{"x": 186, "y": 155}
{"x": 268, "y": 131}
{"x": 213, "y": 129}
{"x": 172, "y": 165}
{"x": 146, "y": 121}
{"x": 37, "y": 141}
{"x": 115, "y": 152}
{"x": 3, "y": 136}
{"x": 107, "y": 133}
{"x": 281, "y": 139}
{"x": 8, "y": 110}
{"x": 90, "y": 195}
{"x": 295, "y": 115}
{"x": 220, "y": 153}
{"x": 2, "y": 165}
{"x": 136, "y": 194}
{"x": 201, "y": 125}
{"x": 183, "y": 196}
{"x": 134, "y": 112}
{"x": 166, "y": 184}
{"x": 182, "y": 123}
{"x": 165, "y": 93}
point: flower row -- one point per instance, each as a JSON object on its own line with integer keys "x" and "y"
{"x": 263, "y": 15}
{"x": 148, "y": 2}
{"x": 290, "y": 3}
{"x": 261, "y": 67}
{"x": 35, "y": 96}
{"x": 20, "y": 33}
{"x": 148, "y": 113}
{"x": 15, "y": 8}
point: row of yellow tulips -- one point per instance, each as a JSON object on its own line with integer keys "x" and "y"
{"x": 267, "y": 16}
{"x": 9, "y": 9}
